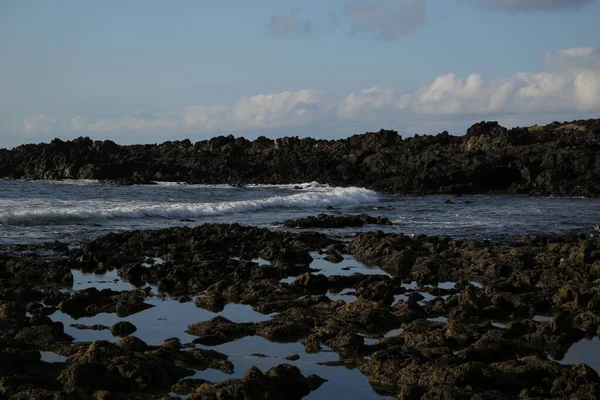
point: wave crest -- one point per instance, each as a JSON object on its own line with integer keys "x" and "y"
{"x": 85, "y": 211}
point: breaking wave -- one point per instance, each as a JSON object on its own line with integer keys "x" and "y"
{"x": 93, "y": 210}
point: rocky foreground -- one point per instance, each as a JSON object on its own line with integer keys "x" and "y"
{"x": 424, "y": 340}
{"x": 556, "y": 159}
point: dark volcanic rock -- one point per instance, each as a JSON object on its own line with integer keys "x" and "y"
{"x": 218, "y": 330}
{"x": 559, "y": 158}
{"x": 89, "y": 302}
{"x": 336, "y": 221}
{"x": 411, "y": 341}
{"x": 281, "y": 382}
{"x": 32, "y": 270}
{"x": 122, "y": 329}
{"x": 195, "y": 258}
{"x": 106, "y": 366}
{"x": 96, "y": 327}
{"x": 212, "y": 302}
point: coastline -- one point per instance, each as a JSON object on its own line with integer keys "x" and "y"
{"x": 556, "y": 159}
{"x": 211, "y": 310}
{"x": 510, "y": 310}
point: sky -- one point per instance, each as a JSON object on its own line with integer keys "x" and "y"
{"x": 147, "y": 71}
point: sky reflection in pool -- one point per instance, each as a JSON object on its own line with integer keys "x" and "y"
{"x": 342, "y": 382}
{"x": 165, "y": 320}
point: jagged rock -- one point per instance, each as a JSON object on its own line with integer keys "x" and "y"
{"x": 281, "y": 382}
{"x": 89, "y": 302}
{"x": 559, "y": 159}
{"x": 336, "y": 221}
{"x": 218, "y": 330}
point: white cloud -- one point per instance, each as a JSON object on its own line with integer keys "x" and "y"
{"x": 533, "y": 5}
{"x": 287, "y": 24}
{"x": 35, "y": 124}
{"x": 384, "y": 19}
{"x": 365, "y": 102}
{"x": 571, "y": 86}
{"x": 262, "y": 111}
{"x": 578, "y": 58}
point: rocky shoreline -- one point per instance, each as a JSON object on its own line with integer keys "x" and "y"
{"x": 556, "y": 159}
{"x": 511, "y": 310}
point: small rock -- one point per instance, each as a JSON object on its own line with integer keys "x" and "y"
{"x": 122, "y": 329}
{"x": 334, "y": 258}
{"x": 132, "y": 343}
{"x": 96, "y": 327}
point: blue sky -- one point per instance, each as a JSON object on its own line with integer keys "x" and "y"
{"x": 148, "y": 71}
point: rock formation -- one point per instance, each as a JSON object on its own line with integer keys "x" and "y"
{"x": 557, "y": 159}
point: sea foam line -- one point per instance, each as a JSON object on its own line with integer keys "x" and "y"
{"x": 87, "y": 211}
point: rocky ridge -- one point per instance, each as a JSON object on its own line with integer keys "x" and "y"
{"x": 555, "y": 159}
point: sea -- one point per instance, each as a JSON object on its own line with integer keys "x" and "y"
{"x": 36, "y": 212}
{"x": 79, "y": 210}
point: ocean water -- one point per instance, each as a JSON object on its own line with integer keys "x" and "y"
{"x": 74, "y": 211}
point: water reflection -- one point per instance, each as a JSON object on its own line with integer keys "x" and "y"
{"x": 585, "y": 351}
{"x": 51, "y": 357}
{"x": 347, "y": 267}
{"x": 167, "y": 319}
{"x": 342, "y": 382}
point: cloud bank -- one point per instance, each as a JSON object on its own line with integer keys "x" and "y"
{"x": 570, "y": 85}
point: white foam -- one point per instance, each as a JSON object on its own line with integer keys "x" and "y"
{"x": 306, "y": 185}
{"x": 93, "y": 210}
{"x": 72, "y": 182}
{"x": 190, "y": 185}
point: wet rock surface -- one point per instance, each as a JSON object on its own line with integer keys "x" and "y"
{"x": 283, "y": 382}
{"x": 558, "y": 158}
{"x": 410, "y": 332}
{"x": 122, "y": 329}
{"x": 336, "y": 221}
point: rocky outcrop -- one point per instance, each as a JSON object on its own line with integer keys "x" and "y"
{"x": 336, "y": 221}
{"x": 480, "y": 336}
{"x": 558, "y": 159}
{"x": 281, "y": 382}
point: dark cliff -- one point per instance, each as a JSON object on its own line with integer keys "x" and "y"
{"x": 560, "y": 159}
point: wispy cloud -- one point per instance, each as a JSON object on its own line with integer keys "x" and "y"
{"x": 533, "y": 5}
{"x": 571, "y": 86}
{"x": 379, "y": 19}
{"x": 281, "y": 25}
{"x": 386, "y": 20}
